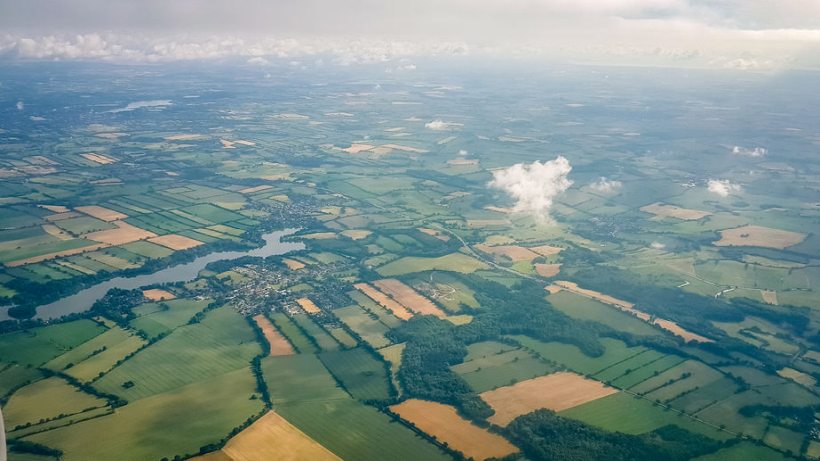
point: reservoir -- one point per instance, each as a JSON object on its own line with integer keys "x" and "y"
{"x": 82, "y": 300}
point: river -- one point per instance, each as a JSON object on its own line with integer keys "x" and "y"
{"x": 82, "y": 300}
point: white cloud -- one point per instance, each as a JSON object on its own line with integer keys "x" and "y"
{"x": 258, "y": 61}
{"x": 20, "y": 105}
{"x": 723, "y": 187}
{"x": 160, "y": 103}
{"x": 440, "y": 125}
{"x": 657, "y": 246}
{"x": 753, "y": 152}
{"x": 605, "y": 186}
{"x": 535, "y": 185}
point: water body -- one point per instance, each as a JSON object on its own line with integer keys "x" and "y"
{"x": 82, "y": 300}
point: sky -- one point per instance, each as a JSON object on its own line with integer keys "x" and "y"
{"x": 756, "y": 35}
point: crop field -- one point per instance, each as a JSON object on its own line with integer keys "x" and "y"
{"x": 317, "y": 333}
{"x": 385, "y": 301}
{"x": 277, "y": 343}
{"x": 221, "y": 342}
{"x": 175, "y": 241}
{"x": 572, "y": 357}
{"x": 385, "y": 316}
{"x": 685, "y": 377}
{"x": 759, "y": 236}
{"x": 150, "y": 428}
{"x": 672, "y": 211}
{"x": 585, "y": 308}
{"x": 362, "y": 375}
{"x": 408, "y": 297}
{"x": 156, "y": 294}
{"x": 293, "y": 333}
{"x": 445, "y": 424}
{"x": 455, "y": 262}
{"x": 618, "y": 369}
{"x": 27, "y": 404}
{"x": 39, "y": 345}
{"x": 13, "y": 376}
{"x": 514, "y": 253}
{"x": 343, "y": 337}
{"x": 308, "y": 306}
{"x": 370, "y": 330}
{"x": 163, "y": 317}
{"x": 744, "y": 451}
{"x": 97, "y": 355}
{"x": 503, "y": 369}
{"x": 272, "y": 437}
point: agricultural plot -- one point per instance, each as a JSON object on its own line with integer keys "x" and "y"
{"x": 443, "y": 423}
{"x": 557, "y": 392}
{"x": 164, "y": 425}
{"x": 385, "y": 301}
{"x": 672, "y": 211}
{"x": 293, "y": 333}
{"x": 383, "y": 315}
{"x": 676, "y": 381}
{"x": 362, "y": 375}
{"x": 744, "y": 451}
{"x": 370, "y": 330}
{"x": 220, "y": 343}
{"x": 277, "y": 344}
{"x": 29, "y": 405}
{"x": 159, "y": 318}
{"x": 455, "y": 262}
{"x": 585, "y": 308}
{"x": 323, "y": 340}
{"x": 759, "y": 236}
{"x": 572, "y": 357}
{"x": 39, "y": 345}
{"x": 408, "y": 297}
{"x": 88, "y": 360}
{"x": 503, "y": 369}
{"x": 13, "y": 376}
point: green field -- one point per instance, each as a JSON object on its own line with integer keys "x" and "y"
{"x": 744, "y": 451}
{"x": 39, "y": 345}
{"x": 28, "y": 405}
{"x": 293, "y": 333}
{"x": 455, "y": 262}
{"x": 13, "y": 376}
{"x": 159, "y": 318}
{"x": 502, "y": 370}
{"x": 223, "y": 341}
{"x": 362, "y": 375}
{"x": 97, "y": 355}
{"x": 319, "y": 335}
{"x": 363, "y": 325}
{"x": 584, "y": 308}
{"x": 572, "y": 357}
{"x": 173, "y": 423}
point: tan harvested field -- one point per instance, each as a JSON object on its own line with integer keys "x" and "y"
{"x": 546, "y": 250}
{"x": 409, "y": 298}
{"x": 186, "y": 137}
{"x": 383, "y": 300}
{"x": 272, "y": 438}
{"x": 445, "y": 424}
{"x": 226, "y": 144}
{"x": 498, "y": 209}
{"x": 319, "y": 236}
{"x": 124, "y": 233}
{"x": 278, "y": 344}
{"x": 61, "y": 216}
{"x": 55, "y": 231}
{"x": 251, "y": 190}
{"x": 156, "y": 294}
{"x": 308, "y": 306}
{"x": 293, "y": 264}
{"x": 552, "y": 289}
{"x": 244, "y": 143}
{"x": 56, "y": 208}
{"x": 462, "y": 161}
{"x": 678, "y": 330}
{"x": 434, "y": 233}
{"x": 547, "y": 270}
{"x": 356, "y": 234}
{"x": 58, "y": 254}
{"x": 798, "y": 377}
{"x": 513, "y": 252}
{"x": 759, "y": 236}
{"x": 357, "y": 148}
{"x": 175, "y": 242}
{"x": 672, "y": 211}
{"x": 474, "y": 223}
{"x": 558, "y": 391}
{"x": 101, "y": 213}
{"x": 98, "y": 158}
{"x": 769, "y": 297}
{"x": 405, "y": 148}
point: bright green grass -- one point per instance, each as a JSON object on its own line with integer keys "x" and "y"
{"x": 622, "y": 412}
{"x": 744, "y": 451}
{"x": 454, "y": 262}
{"x": 13, "y": 376}
{"x": 486, "y": 348}
{"x": 784, "y": 439}
{"x": 362, "y": 375}
{"x": 649, "y": 370}
{"x": 223, "y": 341}
{"x": 154, "y": 319}
{"x": 53, "y": 246}
{"x": 148, "y": 249}
{"x": 212, "y": 213}
{"x": 572, "y": 357}
{"x": 89, "y": 359}
{"x": 658, "y": 387}
{"x": 363, "y": 325}
{"x": 627, "y": 366}
{"x": 319, "y": 335}
{"x": 293, "y": 334}
{"x": 83, "y": 225}
{"x": 584, "y": 308}
{"x": 47, "y": 399}
{"x": 705, "y": 396}
{"x": 343, "y": 337}
{"x": 505, "y": 374}
{"x": 164, "y": 425}
{"x": 39, "y": 345}
{"x": 297, "y": 378}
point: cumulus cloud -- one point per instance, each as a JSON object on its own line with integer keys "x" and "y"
{"x": 441, "y": 125}
{"x": 605, "y": 186}
{"x": 20, "y": 105}
{"x": 723, "y": 187}
{"x": 657, "y": 246}
{"x": 746, "y": 152}
{"x": 534, "y": 186}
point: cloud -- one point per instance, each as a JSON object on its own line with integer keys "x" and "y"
{"x": 161, "y": 103}
{"x": 258, "y": 61}
{"x": 753, "y": 152}
{"x": 657, "y": 246}
{"x": 605, "y": 186}
{"x": 723, "y": 187}
{"x": 440, "y": 125}
{"x": 535, "y": 185}
{"x": 20, "y": 105}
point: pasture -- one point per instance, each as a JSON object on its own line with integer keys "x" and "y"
{"x": 454, "y": 262}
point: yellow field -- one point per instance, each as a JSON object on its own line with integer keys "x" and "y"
{"x": 556, "y": 392}
{"x": 278, "y": 344}
{"x": 546, "y": 250}
{"x": 434, "y": 233}
{"x": 293, "y": 264}
{"x": 55, "y": 208}
{"x": 678, "y": 330}
{"x": 62, "y": 215}
{"x": 383, "y": 300}
{"x": 547, "y": 270}
{"x": 185, "y": 137}
{"x": 251, "y": 190}
{"x": 759, "y": 236}
{"x": 319, "y": 236}
{"x": 408, "y": 297}
{"x": 356, "y": 234}
{"x": 175, "y": 242}
{"x": 357, "y": 148}
{"x": 513, "y": 252}
{"x": 124, "y": 233}
{"x": 769, "y": 297}
{"x": 101, "y": 213}
{"x": 672, "y": 211}
{"x": 55, "y": 231}
{"x": 157, "y": 294}
{"x": 98, "y": 158}
{"x": 271, "y": 438}
{"x": 798, "y": 377}
{"x": 444, "y": 424}
{"x": 308, "y": 306}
